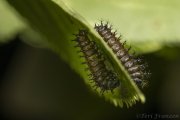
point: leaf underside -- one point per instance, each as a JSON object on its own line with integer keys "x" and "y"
{"x": 57, "y": 24}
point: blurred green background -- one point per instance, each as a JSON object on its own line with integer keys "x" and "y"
{"x": 36, "y": 84}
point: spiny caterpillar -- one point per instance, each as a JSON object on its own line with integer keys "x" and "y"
{"x": 131, "y": 63}
{"x": 103, "y": 78}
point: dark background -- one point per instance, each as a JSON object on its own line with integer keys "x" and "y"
{"x": 36, "y": 84}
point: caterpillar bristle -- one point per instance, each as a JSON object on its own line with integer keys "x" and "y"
{"x": 103, "y": 78}
{"x": 132, "y": 64}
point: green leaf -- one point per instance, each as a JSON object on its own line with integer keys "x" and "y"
{"x": 57, "y": 23}
{"x": 10, "y": 23}
{"x": 147, "y": 25}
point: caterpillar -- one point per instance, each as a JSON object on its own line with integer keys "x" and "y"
{"x": 132, "y": 64}
{"x": 103, "y": 78}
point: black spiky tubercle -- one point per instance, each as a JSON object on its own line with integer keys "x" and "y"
{"x": 131, "y": 63}
{"x": 104, "y": 79}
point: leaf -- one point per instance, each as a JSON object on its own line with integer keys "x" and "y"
{"x": 57, "y": 23}
{"x": 10, "y": 23}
